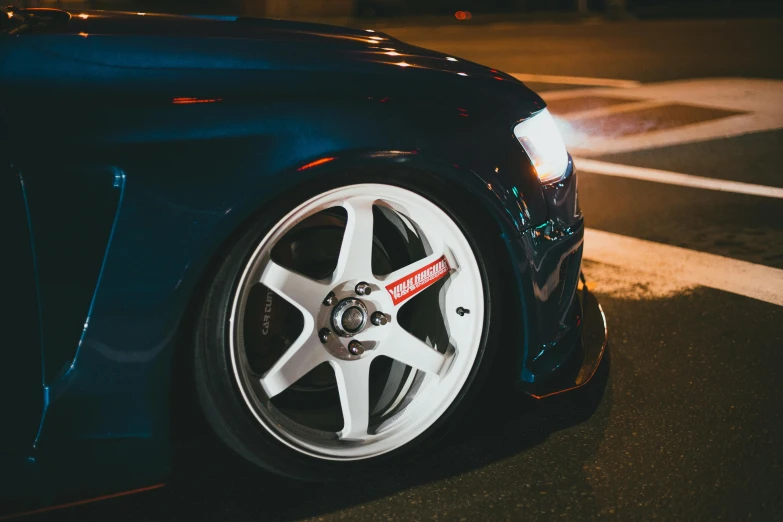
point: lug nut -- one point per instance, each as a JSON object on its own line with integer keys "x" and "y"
{"x": 356, "y": 348}
{"x": 379, "y": 319}
{"x": 363, "y": 289}
{"x": 330, "y": 300}
{"x": 324, "y": 335}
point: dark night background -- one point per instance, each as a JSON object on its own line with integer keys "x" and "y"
{"x": 380, "y": 9}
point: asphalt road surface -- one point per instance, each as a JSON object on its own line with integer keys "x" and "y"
{"x": 677, "y": 130}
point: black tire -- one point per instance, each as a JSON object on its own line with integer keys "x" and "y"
{"x": 218, "y": 392}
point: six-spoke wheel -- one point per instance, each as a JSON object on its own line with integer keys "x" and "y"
{"x": 346, "y": 325}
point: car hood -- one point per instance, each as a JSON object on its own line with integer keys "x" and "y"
{"x": 137, "y": 54}
{"x": 152, "y": 24}
{"x": 171, "y": 41}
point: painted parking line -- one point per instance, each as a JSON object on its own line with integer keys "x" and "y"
{"x": 675, "y": 178}
{"x": 717, "y": 108}
{"x": 686, "y": 266}
{"x": 576, "y": 80}
{"x": 618, "y": 108}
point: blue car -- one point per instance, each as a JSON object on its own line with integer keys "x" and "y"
{"x": 324, "y": 240}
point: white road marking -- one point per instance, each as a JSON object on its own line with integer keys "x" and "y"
{"x": 576, "y": 80}
{"x": 686, "y": 266}
{"x": 761, "y": 101}
{"x": 582, "y": 143}
{"x": 587, "y": 91}
{"x": 733, "y": 94}
{"x": 631, "y": 284}
{"x": 619, "y": 108}
{"x": 675, "y": 178}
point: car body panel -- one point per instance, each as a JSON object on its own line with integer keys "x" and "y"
{"x": 21, "y": 390}
{"x": 164, "y": 135}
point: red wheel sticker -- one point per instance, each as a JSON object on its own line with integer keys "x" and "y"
{"x": 414, "y": 283}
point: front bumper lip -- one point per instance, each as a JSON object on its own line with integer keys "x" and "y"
{"x": 586, "y": 357}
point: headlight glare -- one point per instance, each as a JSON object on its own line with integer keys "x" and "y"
{"x": 544, "y": 145}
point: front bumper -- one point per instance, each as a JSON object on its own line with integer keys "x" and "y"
{"x": 586, "y": 356}
{"x": 563, "y": 328}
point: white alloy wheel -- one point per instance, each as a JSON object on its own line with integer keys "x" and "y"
{"x": 345, "y": 327}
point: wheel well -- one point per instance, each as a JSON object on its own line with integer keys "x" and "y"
{"x": 186, "y": 418}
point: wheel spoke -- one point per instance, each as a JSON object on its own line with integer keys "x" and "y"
{"x": 353, "y": 383}
{"x": 305, "y": 354}
{"x": 403, "y": 284}
{"x": 402, "y": 346}
{"x": 355, "y": 257}
{"x": 302, "y": 292}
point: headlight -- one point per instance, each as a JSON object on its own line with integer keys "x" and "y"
{"x": 544, "y": 145}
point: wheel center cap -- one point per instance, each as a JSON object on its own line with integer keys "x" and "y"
{"x": 349, "y": 317}
{"x": 352, "y": 319}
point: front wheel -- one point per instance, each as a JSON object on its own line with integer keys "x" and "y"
{"x": 347, "y": 332}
